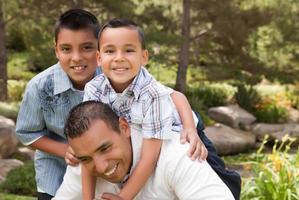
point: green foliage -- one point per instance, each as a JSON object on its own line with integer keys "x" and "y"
{"x": 17, "y": 66}
{"x": 20, "y": 181}
{"x": 275, "y": 174}
{"x": 247, "y": 97}
{"x": 293, "y": 95}
{"x": 15, "y": 197}
{"x": 16, "y": 90}
{"x": 272, "y": 109}
{"x": 9, "y": 110}
{"x": 211, "y": 95}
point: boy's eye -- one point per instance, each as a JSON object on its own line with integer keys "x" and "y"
{"x": 108, "y": 51}
{"x": 88, "y": 47}
{"x": 130, "y": 50}
{"x": 65, "y": 49}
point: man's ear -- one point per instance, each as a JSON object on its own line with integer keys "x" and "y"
{"x": 124, "y": 127}
{"x": 98, "y": 58}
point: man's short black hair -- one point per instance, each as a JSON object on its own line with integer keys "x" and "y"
{"x": 77, "y": 19}
{"x": 84, "y": 114}
{"x": 119, "y": 23}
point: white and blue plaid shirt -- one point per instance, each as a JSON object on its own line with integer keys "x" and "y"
{"x": 146, "y": 104}
{"x": 48, "y": 98}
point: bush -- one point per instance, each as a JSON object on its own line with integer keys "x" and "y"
{"x": 212, "y": 95}
{"x": 20, "y": 181}
{"x": 9, "y": 110}
{"x": 275, "y": 174}
{"x": 272, "y": 109}
{"x": 247, "y": 97}
{"x": 16, "y": 90}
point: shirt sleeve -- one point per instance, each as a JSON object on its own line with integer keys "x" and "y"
{"x": 30, "y": 123}
{"x": 159, "y": 116}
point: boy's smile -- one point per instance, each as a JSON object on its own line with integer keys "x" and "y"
{"x": 121, "y": 56}
{"x": 76, "y": 51}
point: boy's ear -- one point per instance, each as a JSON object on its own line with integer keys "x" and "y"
{"x": 144, "y": 57}
{"x": 98, "y": 58}
{"x": 124, "y": 127}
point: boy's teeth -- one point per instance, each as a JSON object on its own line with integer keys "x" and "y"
{"x": 111, "y": 171}
{"x": 79, "y": 67}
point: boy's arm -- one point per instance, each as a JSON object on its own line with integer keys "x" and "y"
{"x": 189, "y": 133}
{"x": 149, "y": 156}
{"x": 88, "y": 184}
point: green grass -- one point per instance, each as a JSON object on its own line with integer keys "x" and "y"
{"x": 15, "y": 197}
{"x": 17, "y": 66}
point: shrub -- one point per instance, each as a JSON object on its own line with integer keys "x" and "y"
{"x": 212, "y": 95}
{"x": 20, "y": 181}
{"x": 247, "y": 97}
{"x": 16, "y": 90}
{"x": 272, "y": 109}
{"x": 275, "y": 174}
{"x": 9, "y": 110}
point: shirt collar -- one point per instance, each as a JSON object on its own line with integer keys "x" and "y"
{"x": 140, "y": 81}
{"x": 62, "y": 82}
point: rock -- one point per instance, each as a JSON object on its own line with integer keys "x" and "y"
{"x": 261, "y": 129}
{"x": 232, "y": 115}
{"x": 276, "y": 131}
{"x": 293, "y": 115}
{"x": 8, "y": 139}
{"x": 8, "y": 164}
{"x": 230, "y": 141}
{"x": 24, "y": 153}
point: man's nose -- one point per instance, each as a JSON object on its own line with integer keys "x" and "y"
{"x": 101, "y": 165}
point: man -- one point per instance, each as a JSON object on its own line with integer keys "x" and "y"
{"x": 109, "y": 149}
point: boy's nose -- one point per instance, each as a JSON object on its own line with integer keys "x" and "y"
{"x": 76, "y": 56}
{"x": 119, "y": 56}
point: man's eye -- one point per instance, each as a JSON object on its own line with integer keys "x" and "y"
{"x": 105, "y": 149}
{"x": 85, "y": 160}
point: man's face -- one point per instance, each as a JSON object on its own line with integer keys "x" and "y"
{"x": 121, "y": 56}
{"x": 76, "y": 51}
{"x": 105, "y": 152}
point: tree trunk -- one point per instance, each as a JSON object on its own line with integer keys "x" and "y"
{"x": 3, "y": 58}
{"x": 184, "y": 50}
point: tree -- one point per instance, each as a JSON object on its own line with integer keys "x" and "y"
{"x": 3, "y": 57}
{"x": 184, "y": 49}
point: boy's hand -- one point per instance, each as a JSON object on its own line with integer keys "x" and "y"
{"x": 197, "y": 149}
{"x": 70, "y": 158}
{"x": 110, "y": 196}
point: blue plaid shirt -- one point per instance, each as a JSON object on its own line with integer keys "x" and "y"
{"x": 48, "y": 98}
{"x": 146, "y": 104}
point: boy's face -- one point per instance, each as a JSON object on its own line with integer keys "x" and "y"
{"x": 76, "y": 51}
{"x": 121, "y": 56}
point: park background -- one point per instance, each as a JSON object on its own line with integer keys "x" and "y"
{"x": 218, "y": 53}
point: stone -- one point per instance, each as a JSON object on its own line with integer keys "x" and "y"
{"x": 261, "y": 129}
{"x": 233, "y": 116}
{"x": 230, "y": 141}
{"x": 8, "y": 164}
{"x": 8, "y": 139}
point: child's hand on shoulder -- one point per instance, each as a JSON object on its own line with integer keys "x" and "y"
{"x": 197, "y": 149}
{"x": 70, "y": 158}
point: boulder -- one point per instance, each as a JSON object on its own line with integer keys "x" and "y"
{"x": 8, "y": 139}
{"x": 276, "y": 131}
{"x": 6, "y": 165}
{"x": 230, "y": 141}
{"x": 233, "y": 116}
{"x": 24, "y": 153}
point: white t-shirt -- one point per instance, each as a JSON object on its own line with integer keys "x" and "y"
{"x": 176, "y": 176}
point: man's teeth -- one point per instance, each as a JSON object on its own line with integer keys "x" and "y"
{"x": 111, "y": 171}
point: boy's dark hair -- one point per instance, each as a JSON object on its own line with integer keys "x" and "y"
{"x": 118, "y": 23}
{"x": 84, "y": 114}
{"x": 77, "y": 19}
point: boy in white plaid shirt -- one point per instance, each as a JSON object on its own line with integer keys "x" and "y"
{"x": 133, "y": 93}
